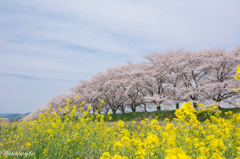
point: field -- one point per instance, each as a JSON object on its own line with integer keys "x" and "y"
{"x": 184, "y": 133}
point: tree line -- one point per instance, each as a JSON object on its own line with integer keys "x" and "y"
{"x": 163, "y": 80}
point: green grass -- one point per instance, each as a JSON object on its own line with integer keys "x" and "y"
{"x": 138, "y": 116}
{"x": 202, "y": 117}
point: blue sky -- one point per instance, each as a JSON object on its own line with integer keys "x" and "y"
{"x": 46, "y": 47}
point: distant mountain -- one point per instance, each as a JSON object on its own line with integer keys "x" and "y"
{"x": 5, "y": 114}
{"x": 14, "y": 116}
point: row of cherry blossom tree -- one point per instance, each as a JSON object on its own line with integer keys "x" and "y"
{"x": 164, "y": 80}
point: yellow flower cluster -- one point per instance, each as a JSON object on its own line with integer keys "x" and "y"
{"x": 176, "y": 153}
{"x": 238, "y": 73}
{"x": 237, "y": 77}
{"x": 90, "y": 136}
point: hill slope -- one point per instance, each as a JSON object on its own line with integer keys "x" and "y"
{"x": 14, "y": 116}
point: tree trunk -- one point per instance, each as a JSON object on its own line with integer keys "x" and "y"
{"x": 177, "y": 105}
{"x": 93, "y": 110}
{"x": 123, "y": 111}
{"x": 114, "y": 111}
{"x": 159, "y": 106}
{"x": 195, "y": 105}
{"x": 133, "y": 109}
{"x": 99, "y": 110}
{"x": 145, "y": 107}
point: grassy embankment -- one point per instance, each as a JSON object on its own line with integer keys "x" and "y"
{"x": 138, "y": 116}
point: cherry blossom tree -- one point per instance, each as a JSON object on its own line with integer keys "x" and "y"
{"x": 89, "y": 93}
{"x": 165, "y": 72}
{"x": 120, "y": 80}
{"x": 167, "y": 79}
{"x": 197, "y": 76}
{"x": 55, "y": 103}
{"x": 219, "y": 82}
{"x": 110, "y": 91}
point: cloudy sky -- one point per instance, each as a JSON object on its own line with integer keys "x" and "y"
{"x": 46, "y": 47}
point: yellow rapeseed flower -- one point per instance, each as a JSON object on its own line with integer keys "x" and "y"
{"x": 176, "y": 153}
{"x": 235, "y": 89}
{"x": 89, "y": 107}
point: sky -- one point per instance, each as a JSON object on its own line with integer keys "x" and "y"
{"x": 46, "y": 46}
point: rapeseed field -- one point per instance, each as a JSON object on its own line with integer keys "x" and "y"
{"x": 91, "y": 137}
